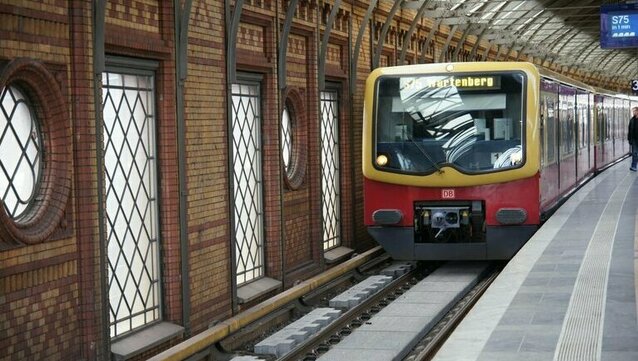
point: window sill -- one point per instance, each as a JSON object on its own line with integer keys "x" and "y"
{"x": 337, "y": 254}
{"x": 253, "y": 290}
{"x": 135, "y": 344}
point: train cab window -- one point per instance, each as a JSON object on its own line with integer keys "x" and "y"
{"x": 471, "y": 122}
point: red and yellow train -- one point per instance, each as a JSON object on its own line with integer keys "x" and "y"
{"x": 465, "y": 160}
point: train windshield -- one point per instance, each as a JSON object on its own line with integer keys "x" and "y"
{"x": 473, "y": 123}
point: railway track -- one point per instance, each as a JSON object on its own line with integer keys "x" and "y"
{"x": 469, "y": 279}
{"x": 352, "y": 319}
{"x": 420, "y": 284}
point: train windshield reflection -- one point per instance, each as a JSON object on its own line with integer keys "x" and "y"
{"x": 470, "y": 122}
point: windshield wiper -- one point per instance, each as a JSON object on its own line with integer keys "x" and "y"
{"x": 427, "y": 156}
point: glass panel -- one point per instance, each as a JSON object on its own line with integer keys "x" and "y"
{"x": 20, "y": 152}
{"x": 247, "y": 182}
{"x": 471, "y": 122}
{"x": 286, "y": 138}
{"x": 549, "y": 102}
{"x": 131, "y": 201}
{"x": 330, "y": 169}
{"x": 567, "y": 103}
{"x": 582, "y": 115}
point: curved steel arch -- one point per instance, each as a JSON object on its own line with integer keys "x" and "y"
{"x": 477, "y": 43}
{"x": 324, "y": 44}
{"x": 426, "y": 44}
{"x": 413, "y": 25}
{"x": 232, "y": 25}
{"x": 384, "y": 32}
{"x": 461, "y": 43}
{"x": 354, "y": 57}
{"x": 450, "y": 35}
{"x": 283, "y": 44}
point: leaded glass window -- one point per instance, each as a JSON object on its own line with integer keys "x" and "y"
{"x": 286, "y": 138}
{"x": 247, "y": 182}
{"x": 131, "y": 200}
{"x": 330, "y": 169}
{"x": 20, "y": 152}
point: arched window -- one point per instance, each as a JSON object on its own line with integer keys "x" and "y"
{"x": 293, "y": 139}
{"x": 35, "y": 179}
{"x": 21, "y": 153}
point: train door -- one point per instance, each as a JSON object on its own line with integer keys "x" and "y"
{"x": 567, "y": 137}
{"x": 582, "y": 135}
{"x": 599, "y": 120}
{"x": 548, "y": 113}
{"x": 608, "y": 126}
{"x": 591, "y": 134}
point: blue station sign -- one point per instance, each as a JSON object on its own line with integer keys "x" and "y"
{"x": 619, "y": 26}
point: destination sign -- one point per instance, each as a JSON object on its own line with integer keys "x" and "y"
{"x": 461, "y": 82}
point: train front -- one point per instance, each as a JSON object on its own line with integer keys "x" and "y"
{"x": 451, "y": 159}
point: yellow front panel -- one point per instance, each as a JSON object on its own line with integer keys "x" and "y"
{"x": 450, "y": 177}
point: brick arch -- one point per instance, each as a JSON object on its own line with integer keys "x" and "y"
{"x": 45, "y": 96}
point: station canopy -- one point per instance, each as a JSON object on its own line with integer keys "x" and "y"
{"x": 564, "y": 33}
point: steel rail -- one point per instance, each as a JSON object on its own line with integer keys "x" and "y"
{"x": 347, "y": 318}
{"x": 445, "y": 327}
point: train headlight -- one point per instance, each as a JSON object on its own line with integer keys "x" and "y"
{"x": 382, "y": 160}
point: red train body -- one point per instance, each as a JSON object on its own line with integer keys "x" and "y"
{"x": 465, "y": 160}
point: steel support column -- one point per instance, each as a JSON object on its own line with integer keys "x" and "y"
{"x": 182, "y": 16}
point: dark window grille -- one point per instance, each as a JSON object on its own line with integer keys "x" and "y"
{"x": 247, "y": 182}
{"x": 131, "y": 201}
{"x": 330, "y": 169}
{"x": 20, "y": 152}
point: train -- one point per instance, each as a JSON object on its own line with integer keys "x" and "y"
{"x": 465, "y": 161}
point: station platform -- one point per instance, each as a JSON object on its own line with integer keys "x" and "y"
{"x": 570, "y": 292}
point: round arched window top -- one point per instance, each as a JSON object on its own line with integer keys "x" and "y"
{"x": 293, "y": 138}
{"x": 20, "y": 152}
{"x": 35, "y": 140}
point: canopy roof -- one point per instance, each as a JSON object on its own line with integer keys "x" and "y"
{"x": 562, "y": 32}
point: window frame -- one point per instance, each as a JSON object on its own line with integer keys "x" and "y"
{"x": 141, "y": 67}
{"x": 251, "y": 79}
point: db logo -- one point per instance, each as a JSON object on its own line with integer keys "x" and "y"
{"x": 447, "y": 194}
